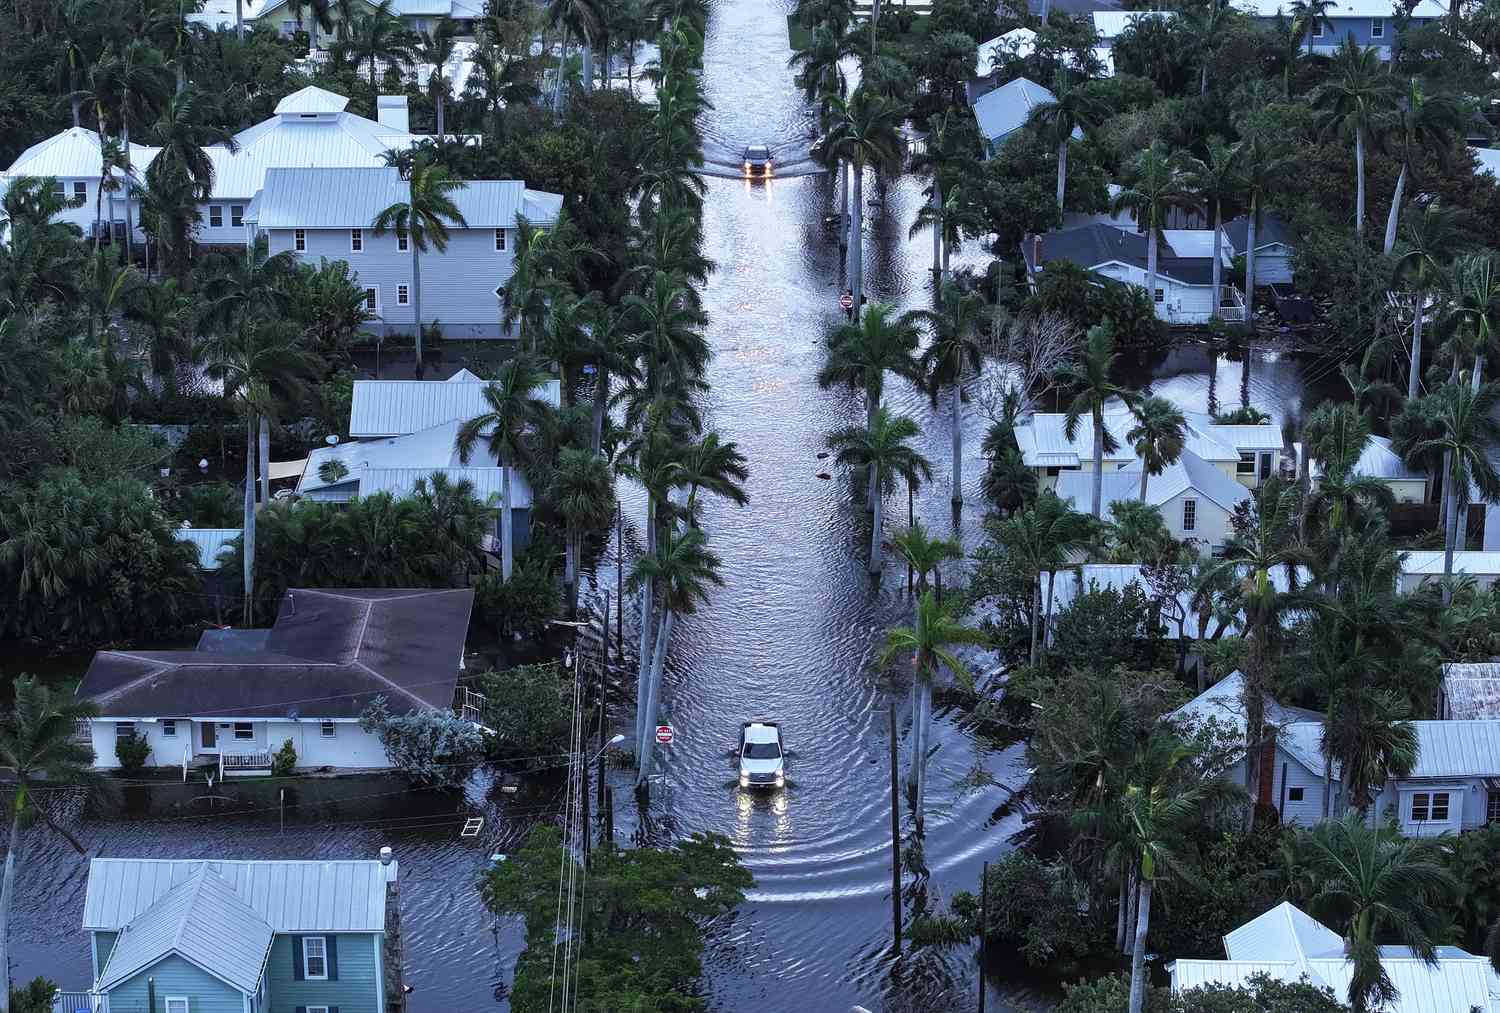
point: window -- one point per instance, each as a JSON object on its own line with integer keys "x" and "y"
{"x": 60, "y": 191}
{"x": 80, "y": 191}
{"x": 1377, "y": 28}
{"x": 330, "y": 729}
{"x": 1161, "y": 296}
{"x": 499, "y": 240}
{"x": 401, "y": 293}
{"x": 288, "y": 29}
{"x": 1265, "y": 464}
{"x": 1317, "y": 31}
{"x": 215, "y": 216}
{"x": 1294, "y": 794}
{"x": 317, "y": 1009}
{"x": 1431, "y": 806}
{"x": 124, "y": 729}
{"x": 169, "y": 729}
{"x": 1053, "y": 472}
{"x": 314, "y": 957}
{"x": 1492, "y": 807}
{"x": 236, "y": 215}
{"x": 244, "y": 730}
{"x": 1189, "y": 514}
{"x": 356, "y": 240}
{"x": 299, "y": 240}
{"x": 1246, "y": 465}
{"x": 372, "y": 299}
{"x": 177, "y": 1004}
{"x": 401, "y": 241}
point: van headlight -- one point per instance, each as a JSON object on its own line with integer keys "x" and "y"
{"x": 780, "y": 779}
{"x": 744, "y": 779}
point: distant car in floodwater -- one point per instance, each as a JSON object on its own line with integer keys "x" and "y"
{"x": 758, "y": 161}
{"x": 762, "y": 760}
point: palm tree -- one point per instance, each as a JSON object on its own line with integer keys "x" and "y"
{"x": 715, "y": 466}
{"x": 683, "y": 567}
{"x": 1093, "y": 378}
{"x": 925, "y": 554}
{"x": 1039, "y": 538}
{"x": 1158, "y": 437}
{"x": 1263, "y": 169}
{"x": 79, "y": 20}
{"x": 1467, "y": 434}
{"x": 950, "y": 155}
{"x": 586, "y": 17}
{"x": 864, "y": 131}
{"x": 436, "y": 48}
{"x": 817, "y": 66}
{"x": 37, "y": 743}
{"x": 1214, "y": 180}
{"x": 951, "y": 356}
{"x": 1336, "y": 436}
{"x": 249, "y": 286}
{"x": 380, "y": 35}
{"x": 423, "y": 218}
{"x": 1007, "y": 482}
{"x": 1431, "y": 236}
{"x": 883, "y": 449}
{"x": 143, "y": 84}
{"x": 929, "y": 644}
{"x": 167, "y": 314}
{"x": 321, "y": 12}
{"x": 949, "y": 217}
{"x": 1373, "y": 883}
{"x": 1208, "y": 26}
{"x": 860, "y": 354}
{"x": 1154, "y": 184}
{"x": 1308, "y": 16}
{"x": 456, "y": 519}
{"x": 514, "y": 403}
{"x": 583, "y": 490}
{"x": 1421, "y": 125}
{"x": 1354, "y": 101}
{"x": 1073, "y": 110}
{"x": 667, "y": 325}
{"x": 609, "y": 349}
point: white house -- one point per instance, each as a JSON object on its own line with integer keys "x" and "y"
{"x": 1286, "y": 944}
{"x": 1378, "y": 460}
{"x": 1184, "y": 267}
{"x": 283, "y": 17}
{"x": 1006, "y": 109}
{"x": 1426, "y": 566}
{"x": 1195, "y": 498}
{"x": 1273, "y": 246}
{"x": 72, "y": 159}
{"x": 1370, "y": 23}
{"x": 329, "y": 214}
{"x": 235, "y": 699}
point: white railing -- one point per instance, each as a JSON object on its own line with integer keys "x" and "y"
{"x": 231, "y": 763}
{"x": 73, "y": 1002}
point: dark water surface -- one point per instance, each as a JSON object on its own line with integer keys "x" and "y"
{"x": 789, "y": 637}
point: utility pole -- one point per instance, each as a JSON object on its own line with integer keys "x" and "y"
{"x": 603, "y": 710}
{"x": 619, "y": 586}
{"x": 895, "y": 838}
{"x": 984, "y": 926}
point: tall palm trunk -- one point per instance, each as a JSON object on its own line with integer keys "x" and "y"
{"x": 920, "y": 748}
{"x": 263, "y": 447}
{"x": 1098, "y": 479}
{"x": 872, "y": 405}
{"x": 1131, "y": 922}
{"x": 73, "y": 99}
{"x": 875, "y": 519}
{"x": 1450, "y": 529}
{"x": 247, "y": 533}
{"x": 844, "y": 214}
{"x": 1062, "y": 170}
{"x": 1138, "y": 950}
{"x": 239, "y": 20}
{"x": 1395, "y": 212}
{"x": 1036, "y": 614}
{"x": 601, "y": 401}
{"x": 1123, "y": 910}
{"x": 129, "y": 190}
{"x": 1047, "y": 612}
{"x": 7, "y": 893}
{"x": 416, "y": 298}
{"x": 644, "y": 661}
{"x": 1144, "y": 475}
{"x": 441, "y": 104}
{"x": 856, "y": 238}
{"x": 1359, "y": 183}
{"x": 1413, "y": 381}
{"x": 570, "y": 571}
{"x": 1218, "y": 275}
{"x": 1151, "y": 268}
{"x": 507, "y": 533}
{"x": 1250, "y": 259}
{"x": 938, "y": 264}
{"x": 562, "y": 62}
{"x": 958, "y": 441}
{"x": 658, "y": 665}
{"x": 588, "y": 64}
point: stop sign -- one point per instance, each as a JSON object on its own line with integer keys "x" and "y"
{"x": 846, "y": 301}
{"x": 664, "y": 734}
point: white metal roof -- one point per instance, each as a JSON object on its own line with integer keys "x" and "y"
{"x": 1224, "y": 703}
{"x": 334, "y": 896}
{"x": 1189, "y": 242}
{"x": 1005, "y": 110}
{"x": 1111, "y": 24}
{"x": 1188, "y": 473}
{"x": 1457, "y": 749}
{"x": 311, "y": 99}
{"x": 1471, "y": 691}
{"x": 1044, "y": 443}
{"x": 1488, "y": 159}
{"x": 1285, "y": 932}
{"x": 393, "y": 465}
{"x": 1429, "y": 562}
{"x": 203, "y": 921}
{"x": 1303, "y": 742}
{"x": 1378, "y": 460}
{"x": 1188, "y": 974}
{"x": 1453, "y": 985}
{"x": 488, "y": 483}
{"x": 352, "y": 197}
{"x": 209, "y": 542}
{"x": 1344, "y": 8}
{"x": 398, "y": 407}
{"x": 1021, "y": 41}
{"x": 72, "y": 154}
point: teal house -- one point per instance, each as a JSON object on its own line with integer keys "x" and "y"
{"x": 205, "y": 936}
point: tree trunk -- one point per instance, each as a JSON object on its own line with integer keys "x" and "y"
{"x": 1133, "y": 889}
{"x": 239, "y": 20}
{"x": 1257, "y": 664}
{"x": 442, "y": 122}
{"x": 263, "y": 446}
{"x": 875, "y": 529}
{"x": 1036, "y": 614}
{"x": 1250, "y": 259}
{"x": 919, "y": 757}
{"x": 856, "y": 240}
{"x": 588, "y": 65}
{"x": 416, "y": 299}
{"x": 129, "y": 187}
{"x": 1395, "y": 212}
{"x": 1098, "y": 482}
{"x": 937, "y": 233}
{"x": 7, "y": 894}
{"x": 507, "y": 533}
{"x": 1138, "y": 950}
{"x": 562, "y": 64}
{"x": 1047, "y": 612}
{"x": 1062, "y": 170}
{"x": 844, "y": 214}
{"x": 658, "y": 663}
{"x": 247, "y": 532}
{"x": 872, "y": 406}
{"x": 958, "y": 441}
{"x": 1218, "y": 272}
{"x": 1413, "y": 381}
{"x": 1359, "y": 183}
{"x": 644, "y": 662}
{"x": 1145, "y": 474}
{"x": 1151, "y": 271}
{"x": 601, "y": 400}
{"x": 1450, "y": 530}
{"x": 570, "y": 571}
{"x": 1122, "y": 912}
{"x": 76, "y": 103}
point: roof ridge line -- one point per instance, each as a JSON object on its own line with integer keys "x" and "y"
{"x": 399, "y": 689}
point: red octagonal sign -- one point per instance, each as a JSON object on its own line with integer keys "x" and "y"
{"x": 664, "y": 734}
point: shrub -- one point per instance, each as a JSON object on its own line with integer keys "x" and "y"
{"x": 132, "y": 750}
{"x": 521, "y": 606}
{"x": 34, "y": 997}
{"x": 530, "y": 709}
{"x": 285, "y": 760}
{"x": 431, "y": 747}
{"x": 1034, "y": 906}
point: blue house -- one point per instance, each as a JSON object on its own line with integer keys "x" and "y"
{"x": 1370, "y": 23}
{"x": 208, "y": 936}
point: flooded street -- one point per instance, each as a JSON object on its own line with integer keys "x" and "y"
{"x": 789, "y": 638}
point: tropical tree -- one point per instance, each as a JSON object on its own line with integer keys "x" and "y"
{"x": 142, "y": 84}
{"x": 951, "y": 156}
{"x": 379, "y": 36}
{"x": 1074, "y": 110}
{"x": 583, "y": 492}
{"x": 1039, "y": 538}
{"x": 864, "y": 131}
{"x": 926, "y": 554}
{"x": 1336, "y": 436}
{"x": 1158, "y": 437}
{"x": 817, "y": 66}
{"x": 1422, "y": 124}
{"x": 610, "y": 349}
{"x": 514, "y": 402}
{"x": 1467, "y": 435}
{"x": 949, "y": 217}
{"x": 1309, "y": 17}
{"x": 951, "y": 356}
{"x": 455, "y": 518}
{"x": 1154, "y": 184}
{"x": 883, "y": 449}
{"x": 1263, "y": 168}
{"x": 715, "y": 466}
{"x": 37, "y": 743}
{"x": 1372, "y": 883}
{"x": 436, "y": 48}
{"x": 929, "y": 642}
{"x": 1093, "y": 378}
{"x": 1355, "y": 101}
{"x": 1214, "y": 180}
{"x": 667, "y": 326}
{"x": 421, "y": 219}
{"x": 1431, "y": 235}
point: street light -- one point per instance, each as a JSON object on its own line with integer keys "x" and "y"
{"x": 612, "y": 742}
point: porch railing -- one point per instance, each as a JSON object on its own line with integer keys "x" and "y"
{"x": 78, "y": 1002}
{"x": 239, "y": 763}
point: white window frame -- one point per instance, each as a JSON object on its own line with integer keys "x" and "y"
{"x": 1377, "y": 28}
{"x": 329, "y": 730}
{"x": 299, "y": 240}
{"x": 237, "y": 216}
{"x": 123, "y": 729}
{"x": 372, "y": 298}
{"x": 1161, "y": 296}
{"x": 169, "y": 728}
{"x": 1429, "y": 807}
{"x": 402, "y": 241}
{"x": 356, "y": 240}
{"x": 500, "y": 241}
{"x": 1492, "y": 806}
{"x": 1190, "y": 514}
{"x": 289, "y": 29}
{"x": 403, "y": 295}
{"x": 80, "y": 190}
{"x": 1318, "y": 26}
{"x": 248, "y": 726}
{"x": 317, "y": 1009}
{"x": 1246, "y": 465}
{"x": 307, "y": 958}
{"x": 59, "y": 189}
{"x": 216, "y": 216}
{"x": 177, "y": 1004}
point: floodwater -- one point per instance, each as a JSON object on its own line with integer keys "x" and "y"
{"x": 789, "y": 637}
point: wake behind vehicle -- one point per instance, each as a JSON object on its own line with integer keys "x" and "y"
{"x": 762, "y": 760}
{"x": 758, "y": 161}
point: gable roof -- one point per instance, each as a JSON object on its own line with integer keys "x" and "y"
{"x": 1471, "y": 691}
{"x": 1271, "y": 231}
{"x": 209, "y": 542}
{"x": 299, "y": 896}
{"x": 1097, "y": 244}
{"x": 1006, "y": 109}
{"x": 1043, "y": 440}
{"x": 1285, "y": 932}
{"x": 399, "y": 407}
{"x": 328, "y": 197}
{"x": 73, "y": 153}
{"x": 204, "y": 921}
{"x": 1378, "y": 460}
{"x": 1224, "y": 703}
{"x": 1188, "y": 473}
{"x": 1344, "y": 8}
{"x": 1020, "y": 40}
{"x": 1448, "y": 749}
{"x": 311, "y": 99}
{"x": 329, "y": 654}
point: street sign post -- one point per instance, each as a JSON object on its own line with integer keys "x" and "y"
{"x": 664, "y": 735}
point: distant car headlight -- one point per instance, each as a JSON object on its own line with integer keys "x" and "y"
{"x": 780, "y": 779}
{"x": 744, "y": 780}
{"x": 747, "y": 166}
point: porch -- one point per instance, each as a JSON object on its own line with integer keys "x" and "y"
{"x": 79, "y": 1002}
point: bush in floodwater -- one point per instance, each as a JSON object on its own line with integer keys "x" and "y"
{"x": 285, "y": 760}
{"x": 132, "y": 751}
{"x": 522, "y": 605}
{"x": 429, "y": 746}
{"x": 530, "y": 709}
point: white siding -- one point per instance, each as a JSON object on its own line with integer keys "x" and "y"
{"x": 165, "y": 750}
{"x": 1273, "y": 266}
{"x": 1211, "y": 525}
{"x": 1184, "y": 303}
{"x": 1291, "y": 774}
{"x": 350, "y": 747}
{"x": 226, "y": 234}
{"x": 1467, "y": 799}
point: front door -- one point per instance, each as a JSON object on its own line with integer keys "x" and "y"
{"x": 210, "y": 735}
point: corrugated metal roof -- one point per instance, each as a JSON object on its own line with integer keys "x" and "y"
{"x": 335, "y": 896}
{"x": 1344, "y": 8}
{"x": 1190, "y": 472}
{"x": 1188, "y": 974}
{"x": 1043, "y": 435}
{"x": 202, "y": 920}
{"x": 1303, "y": 742}
{"x": 1020, "y": 41}
{"x": 1378, "y": 460}
{"x": 209, "y": 543}
{"x": 1471, "y": 691}
{"x": 1111, "y": 24}
{"x": 399, "y": 407}
{"x": 1285, "y": 932}
{"x": 73, "y": 153}
{"x": 1224, "y": 703}
{"x": 311, "y": 99}
{"x": 330, "y": 197}
{"x": 339, "y": 139}
{"x": 488, "y": 483}
{"x": 1457, "y": 749}
{"x": 1429, "y": 562}
{"x": 1451, "y": 986}
{"x": 1006, "y": 109}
